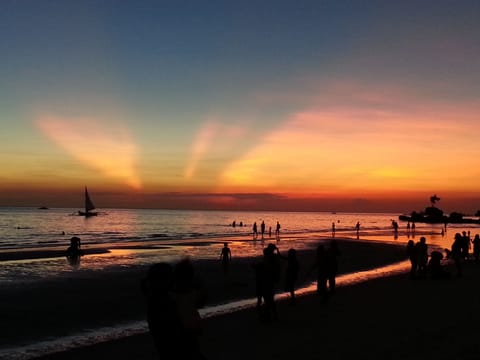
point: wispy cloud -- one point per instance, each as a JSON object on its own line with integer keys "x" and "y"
{"x": 99, "y": 144}
{"x": 213, "y": 139}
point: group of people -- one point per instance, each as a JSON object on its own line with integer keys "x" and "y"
{"x": 460, "y": 248}
{"x": 267, "y": 275}
{"x": 423, "y": 264}
{"x": 263, "y": 230}
{"x": 418, "y": 256}
{"x": 173, "y": 296}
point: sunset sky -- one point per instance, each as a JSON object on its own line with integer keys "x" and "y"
{"x": 280, "y": 105}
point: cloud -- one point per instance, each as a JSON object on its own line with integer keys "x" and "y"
{"x": 356, "y": 136}
{"x": 214, "y": 138}
{"x": 98, "y": 144}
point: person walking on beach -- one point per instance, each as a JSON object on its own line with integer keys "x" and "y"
{"x": 412, "y": 256}
{"x": 255, "y": 230}
{"x": 262, "y": 228}
{"x": 189, "y": 296}
{"x": 457, "y": 254}
{"x": 277, "y": 230}
{"x": 476, "y": 247}
{"x": 267, "y": 274}
{"x": 163, "y": 318}
{"x": 421, "y": 250}
{"x": 321, "y": 266}
{"x": 226, "y": 257}
{"x": 291, "y": 273}
{"x": 333, "y": 252}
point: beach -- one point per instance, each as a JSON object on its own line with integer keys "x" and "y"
{"x": 386, "y": 318}
{"x": 367, "y": 318}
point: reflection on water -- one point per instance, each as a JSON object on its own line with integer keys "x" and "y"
{"x": 112, "y": 333}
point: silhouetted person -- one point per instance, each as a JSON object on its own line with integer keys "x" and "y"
{"x": 267, "y": 274}
{"x": 357, "y": 228}
{"x": 457, "y": 255}
{"x": 163, "y": 318}
{"x": 395, "y": 227}
{"x": 321, "y": 266}
{"x": 255, "y": 230}
{"x": 333, "y": 252}
{"x": 234, "y": 223}
{"x": 421, "y": 249}
{"x": 465, "y": 245}
{"x": 333, "y": 229}
{"x": 277, "y": 230}
{"x": 74, "y": 251}
{"x": 476, "y": 247}
{"x": 269, "y": 231}
{"x": 189, "y": 296}
{"x": 412, "y": 256}
{"x": 291, "y": 274}
{"x": 226, "y": 257}
{"x": 435, "y": 267}
{"x": 262, "y": 228}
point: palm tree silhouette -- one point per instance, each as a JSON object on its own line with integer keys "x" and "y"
{"x": 434, "y": 199}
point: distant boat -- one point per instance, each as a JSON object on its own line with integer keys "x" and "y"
{"x": 88, "y": 206}
{"x": 43, "y": 208}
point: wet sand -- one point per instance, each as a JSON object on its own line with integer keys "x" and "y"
{"x": 395, "y": 317}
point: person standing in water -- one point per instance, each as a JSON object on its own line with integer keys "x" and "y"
{"x": 226, "y": 257}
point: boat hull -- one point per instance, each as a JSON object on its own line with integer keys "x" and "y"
{"x": 87, "y": 214}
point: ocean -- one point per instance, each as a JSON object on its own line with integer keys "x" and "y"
{"x": 139, "y": 237}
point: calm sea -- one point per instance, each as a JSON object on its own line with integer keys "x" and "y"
{"x": 139, "y": 237}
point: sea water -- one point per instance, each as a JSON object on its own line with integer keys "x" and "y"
{"x": 140, "y": 237}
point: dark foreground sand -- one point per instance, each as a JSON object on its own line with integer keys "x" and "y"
{"x": 386, "y": 318}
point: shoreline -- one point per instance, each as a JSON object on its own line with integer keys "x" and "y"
{"x": 65, "y": 306}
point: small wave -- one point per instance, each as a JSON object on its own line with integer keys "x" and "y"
{"x": 196, "y": 235}
{"x": 158, "y": 236}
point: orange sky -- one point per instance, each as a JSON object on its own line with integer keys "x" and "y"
{"x": 336, "y": 110}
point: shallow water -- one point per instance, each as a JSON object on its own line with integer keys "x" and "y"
{"x": 141, "y": 237}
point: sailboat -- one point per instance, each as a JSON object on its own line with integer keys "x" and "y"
{"x": 88, "y": 206}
